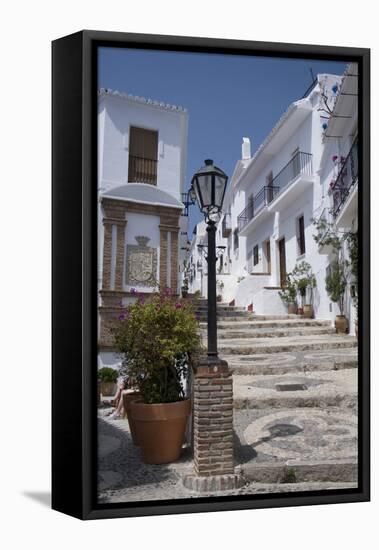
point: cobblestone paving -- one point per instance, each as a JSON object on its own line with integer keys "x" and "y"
{"x": 307, "y": 434}
{"x": 124, "y": 478}
{"x": 316, "y": 389}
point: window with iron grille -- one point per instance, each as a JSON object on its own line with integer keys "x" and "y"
{"x": 300, "y": 235}
{"x": 255, "y": 255}
{"x": 143, "y": 155}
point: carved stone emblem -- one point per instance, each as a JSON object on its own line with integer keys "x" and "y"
{"x": 141, "y": 263}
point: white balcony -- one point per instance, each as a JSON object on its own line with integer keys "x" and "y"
{"x": 292, "y": 181}
{"x": 287, "y": 185}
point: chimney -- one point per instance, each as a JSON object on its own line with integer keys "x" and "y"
{"x": 246, "y": 149}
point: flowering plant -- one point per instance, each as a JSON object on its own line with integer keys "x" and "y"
{"x": 157, "y": 337}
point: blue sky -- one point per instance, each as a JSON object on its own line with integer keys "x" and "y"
{"x": 227, "y": 97}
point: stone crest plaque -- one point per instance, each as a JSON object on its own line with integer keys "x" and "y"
{"x": 141, "y": 263}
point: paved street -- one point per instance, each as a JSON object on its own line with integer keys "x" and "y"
{"x": 295, "y": 414}
{"x": 124, "y": 478}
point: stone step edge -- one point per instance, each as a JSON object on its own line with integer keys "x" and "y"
{"x": 257, "y": 369}
{"x": 346, "y": 401}
{"x": 295, "y": 471}
{"x": 253, "y": 324}
{"x": 274, "y": 333}
{"x": 239, "y": 349}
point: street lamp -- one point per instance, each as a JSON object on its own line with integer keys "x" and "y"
{"x": 208, "y": 185}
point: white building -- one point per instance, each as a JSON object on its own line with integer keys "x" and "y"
{"x": 339, "y": 173}
{"x": 196, "y": 265}
{"x": 273, "y": 197}
{"x": 142, "y": 229}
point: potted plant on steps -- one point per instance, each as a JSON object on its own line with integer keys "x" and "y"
{"x": 305, "y": 282}
{"x": 157, "y": 339}
{"x": 288, "y": 295}
{"x": 108, "y": 381}
{"x": 335, "y": 284}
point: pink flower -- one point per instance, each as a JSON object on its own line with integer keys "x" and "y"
{"x": 178, "y": 305}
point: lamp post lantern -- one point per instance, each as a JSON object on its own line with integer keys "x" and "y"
{"x": 208, "y": 185}
{"x": 212, "y": 424}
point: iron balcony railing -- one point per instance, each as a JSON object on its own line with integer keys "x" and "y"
{"x": 226, "y": 225}
{"x": 256, "y": 203}
{"x": 346, "y": 179}
{"x": 301, "y": 163}
{"x": 142, "y": 170}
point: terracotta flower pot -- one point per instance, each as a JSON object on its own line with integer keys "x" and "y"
{"x": 160, "y": 429}
{"x": 308, "y": 311}
{"x": 127, "y": 399}
{"x": 341, "y": 324}
{"x": 108, "y": 389}
{"x": 292, "y": 309}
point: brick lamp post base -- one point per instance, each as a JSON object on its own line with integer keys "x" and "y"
{"x": 213, "y": 428}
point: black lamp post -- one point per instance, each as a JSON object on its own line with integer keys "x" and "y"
{"x": 208, "y": 185}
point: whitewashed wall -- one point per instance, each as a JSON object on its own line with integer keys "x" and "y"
{"x": 116, "y": 115}
{"x": 301, "y": 129}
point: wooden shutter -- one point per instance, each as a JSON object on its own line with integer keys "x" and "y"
{"x": 143, "y": 143}
{"x": 301, "y": 235}
{"x": 143, "y": 155}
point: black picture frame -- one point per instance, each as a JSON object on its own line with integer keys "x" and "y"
{"x": 74, "y": 205}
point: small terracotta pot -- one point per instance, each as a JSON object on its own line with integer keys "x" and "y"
{"x": 127, "y": 400}
{"x": 341, "y": 324}
{"x": 108, "y": 389}
{"x": 308, "y": 311}
{"x": 160, "y": 428}
{"x": 292, "y": 309}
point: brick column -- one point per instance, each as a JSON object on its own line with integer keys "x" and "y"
{"x": 174, "y": 260}
{"x": 163, "y": 258}
{"x": 107, "y": 254}
{"x": 120, "y": 249}
{"x": 212, "y": 428}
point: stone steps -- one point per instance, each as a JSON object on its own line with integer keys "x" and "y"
{"x": 295, "y": 400}
{"x": 221, "y": 309}
{"x": 225, "y": 315}
{"x": 273, "y": 333}
{"x": 254, "y": 324}
{"x": 243, "y": 316}
{"x": 286, "y": 344}
{"x": 300, "y": 361}
{"x": 316, "y": 389}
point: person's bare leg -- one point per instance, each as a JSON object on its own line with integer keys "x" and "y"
{"x": 119, "y": 412}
